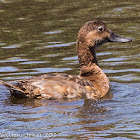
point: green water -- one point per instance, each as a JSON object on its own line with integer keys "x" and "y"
{"x": 39, "y": 37}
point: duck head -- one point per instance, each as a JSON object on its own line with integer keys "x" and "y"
{"x": 95, "y": 33}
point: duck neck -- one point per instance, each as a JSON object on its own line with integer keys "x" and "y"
{"x": 90, "y": 69}
{"x": 87, "y": 59}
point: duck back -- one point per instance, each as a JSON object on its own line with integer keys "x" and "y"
{"x": 52, "y": 86}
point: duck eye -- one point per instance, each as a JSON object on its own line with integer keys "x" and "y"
{"x": 100, "y": 28}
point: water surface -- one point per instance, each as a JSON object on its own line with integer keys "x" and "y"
{"x": 39, "y": 36}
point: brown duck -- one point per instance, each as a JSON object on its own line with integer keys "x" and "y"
{"x": 92, "y": 83}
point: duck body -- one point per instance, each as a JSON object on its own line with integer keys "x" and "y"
{"x": 91, "y": 83}
{"x": 52, "y": 86}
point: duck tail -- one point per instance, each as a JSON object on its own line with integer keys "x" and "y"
{"x": 15, "y": 91}
{"x": 9, "y": 86}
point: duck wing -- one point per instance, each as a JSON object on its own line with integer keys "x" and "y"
{"x": 52, "y": 86}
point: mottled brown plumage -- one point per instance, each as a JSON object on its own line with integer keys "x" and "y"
{"x": 92, "y": 83}
{"x": 52, "y": 86}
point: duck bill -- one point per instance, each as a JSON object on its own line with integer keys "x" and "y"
{"x": 115, "y": 38}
